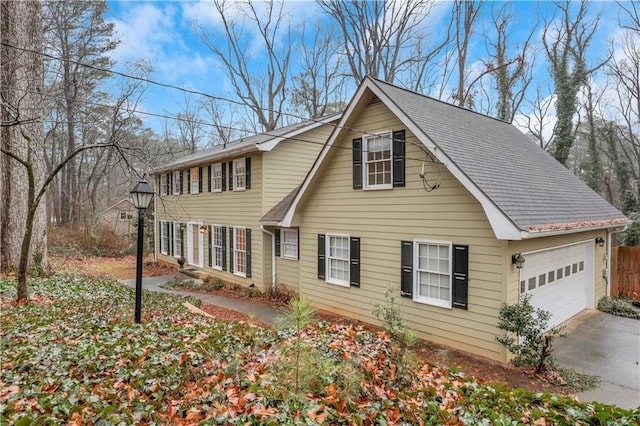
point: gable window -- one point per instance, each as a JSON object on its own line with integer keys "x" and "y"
{"x": 177, "y": 183}
{"x": 435, "y": 273}
{"x": 164, "y": 237}
{"x": 289, "y": 243}
{"x": 379, "y": 161}
{"x": 339, "y": 259}
{"x": 239, "y": 182}
{"x": 177, "y": 240}
{"x": 216, "y": 177}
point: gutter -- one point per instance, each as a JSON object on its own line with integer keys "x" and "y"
{"x": 273, "y": 257}
{"x": 561, "y": 231}
{"x": 204, "y": 159}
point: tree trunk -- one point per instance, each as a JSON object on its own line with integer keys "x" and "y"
{"x": 21, "y": 88}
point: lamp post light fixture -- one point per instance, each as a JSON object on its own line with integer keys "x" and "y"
{"x": 141, "y": 195}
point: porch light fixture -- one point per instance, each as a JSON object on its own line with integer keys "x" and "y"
{"x": 141, "y": 195}
{"x": 203, "y": 229}
{"x": 600, "y": 241}
{"x": 518, "y": 260}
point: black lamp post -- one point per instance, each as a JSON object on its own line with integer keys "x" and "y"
{"x": 142, "y": 195}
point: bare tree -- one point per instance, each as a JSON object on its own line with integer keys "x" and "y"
{"x": 318, "y": 88}
{"x": 190, "y": 125}
{"x": 23, "y": 242}
{"x": 263, "y": 92}
{"x": 538, "y": 121}
{"x": 566, "y": 40}
{"x": 380, "y": 38}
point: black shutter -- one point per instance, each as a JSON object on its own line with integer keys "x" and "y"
{"x": 199, "y": 180}
{"x": 321, "y": 256}
{"x": 209, "y": 188}
{"x": 406, "y": 279}
{"x": 224, "y": 176}
{"x": 276, "y": 235}
{"x": 357, "y": 163}
{"x": 210, "y": 249}
{"x": 170, "y": 248}
{"x": 188, "y": 181}
{"x": 158, "y": 186}
{"x": 182, "y": 228}
{"x": 248, "y": 252}
{"x": 181, "y": 183}
{"x": 460, "y": 276}
{"x": 398, "y": 159}
{"x": 169, "y": 179}
{"x": 230, "y": 175}
{"x": 230, "y": 249}
{"x": 223, "y": 232}
{"x": 354, "y": 273}
{"x": 247, "y": 174}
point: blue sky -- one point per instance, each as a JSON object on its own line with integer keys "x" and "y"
{"x": 162, "y": 33}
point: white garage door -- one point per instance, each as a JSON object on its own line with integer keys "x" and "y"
{"x": 559, "y": 280}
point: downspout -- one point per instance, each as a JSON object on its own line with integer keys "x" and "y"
{"x": 155, "y": 227}
{"x": 608, "y": 254}
{"x": 273, "y": 258}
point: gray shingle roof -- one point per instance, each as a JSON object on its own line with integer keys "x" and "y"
{"x": 528, "y": 185}
{"x": 278, "y": 212}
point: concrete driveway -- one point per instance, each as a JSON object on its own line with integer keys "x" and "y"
{"x": 606, "y": 346}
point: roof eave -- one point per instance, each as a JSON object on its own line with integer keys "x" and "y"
{"x": 570, "y": 229}
{"x": 217, "y": 156}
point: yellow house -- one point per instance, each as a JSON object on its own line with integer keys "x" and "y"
{"x": 209, "y": 204}
{"x": 457, "y": 211}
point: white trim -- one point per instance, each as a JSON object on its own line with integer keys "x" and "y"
{"x": 283, "y": 254}
{"x": 416, "y": 262}
{"x": 270, "y": 144}
{"x": 177, "y": 232}
{"x": 213, "y": 247}
{"x": 195, "y": 185}
{"x": 365, "y": 163}
{"x": 234, "y": 173}
{"x": 175, "y": 181}
{"x": 211, "y": 178}
{"x": 329, "y": 279}
{"x": 164, "y": 225}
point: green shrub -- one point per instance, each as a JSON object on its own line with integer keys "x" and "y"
{"x": 217, "y": 283}
{"x": 252, "y": 291}
{"x": 618, "y": 306}
{"x": 529, "y": 336}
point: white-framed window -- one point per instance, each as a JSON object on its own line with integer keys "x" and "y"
{"x": 216, "y": 177}
{"x": 432, "y": 273}
{"x": 195, "y": 180}
{"x": 176, "y": 183}
{"x": 239, "y": 174}
{"x": 338, "y": 259}
{"x": 164, "y": 184}
{"x": 240, "y": 251}
{"x": 164, "y": 237}
{"x": 378, "y": 161}
{"x": 216, "y": 247}
{"x": 177, "y": 240}
{"x": 289, "y": 243}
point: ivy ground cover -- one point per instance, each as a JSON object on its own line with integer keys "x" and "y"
{"x": 74, "y": 356}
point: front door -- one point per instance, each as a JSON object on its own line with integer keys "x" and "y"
{"x": 195, "y": 245}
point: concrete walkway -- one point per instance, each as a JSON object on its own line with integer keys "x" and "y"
{"x": 606, "y": 346}
{"x": 260, "y": 311}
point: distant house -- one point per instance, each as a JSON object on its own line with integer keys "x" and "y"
{"x": 443, "y": 205}
{"x": 209, "y": 204}
{"x": 119, "y": 217}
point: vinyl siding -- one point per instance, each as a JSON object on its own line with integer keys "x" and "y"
{"x": 288, "y": 273}
{"x": 229, "y": 209}
{"x": 382, "y": 219}
{"x": 289, "y": 162}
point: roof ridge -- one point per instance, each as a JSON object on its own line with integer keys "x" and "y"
{"x": 413, "y": 92}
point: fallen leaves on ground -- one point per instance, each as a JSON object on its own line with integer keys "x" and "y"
{"x": 74, "y": 356}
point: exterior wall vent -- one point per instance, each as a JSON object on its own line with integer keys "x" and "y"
{"x": 374, "y": 100}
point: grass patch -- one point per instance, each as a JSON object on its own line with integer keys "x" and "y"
{"x": 74, "y": 355}
{"x": 621, "y": 306}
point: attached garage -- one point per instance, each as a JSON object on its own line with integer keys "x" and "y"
{"x": 560, "y": 279}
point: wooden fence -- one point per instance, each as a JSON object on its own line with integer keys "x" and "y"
{"x": 625, "y": 271}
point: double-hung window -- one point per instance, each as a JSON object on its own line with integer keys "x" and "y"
{"x": 338, "y": 259}
{"x": 164, "y": 184}
{"x": 377, "y": 150}
{"x": 177, "y": 240}
{"x": 164, "y": 237}
{"x": 289, "y": 243}
{"x": 240, "y": 251}
{"x": 216, "y": 177}
{"x": 239, "y": 172}
{"x": 216, "y": 247}
{"x": 177, "y": 180}
{"x": 435, "y": 273}
{"x": 195, "y": 180}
